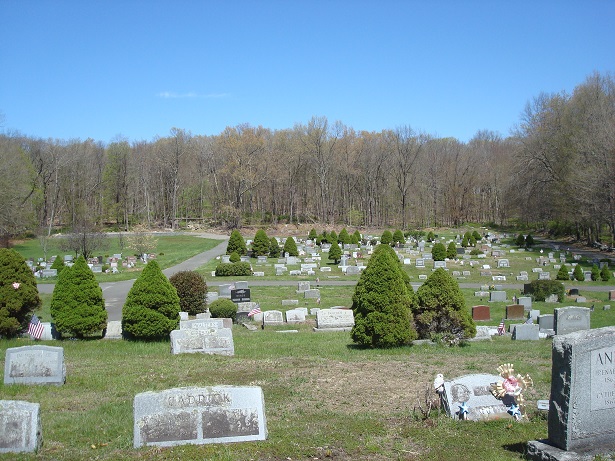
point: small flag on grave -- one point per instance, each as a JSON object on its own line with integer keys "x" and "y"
{"x": 256, "y": 310}
{"x": 501, "y": 328}
{"x": 35, "y": 328}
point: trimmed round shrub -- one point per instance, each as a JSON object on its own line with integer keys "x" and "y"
{"x": 387, "y": 237}
{"x": 438, "y": 252}
{"x": 234, "y": 258}
{"x": 151, "y": 310}
{"x": 237, "y": 244}
{"x": 260, "y": 245}
{"x": 541, "y": 289}
{"x": 77, "y": 304}
{"x": 19, "y": 301}
{"x": 382, "y": 303}
{"x": 192, "y": 290}
{"x": 431, "y": 236}
{"x": 229, "y": 269}
{"x": 562, "y": 273}
{"x": 441, "y": 311}
{"x": 223, "y": 309}
{"x": 398, "y": 237}
{"x": 335, "y": 253}
{"x": 290, "y": 247}
{"x": 578, "y": 274}
{"x": 274, "y": 248}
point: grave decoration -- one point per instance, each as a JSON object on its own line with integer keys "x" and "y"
{"x": 510, "y": 389}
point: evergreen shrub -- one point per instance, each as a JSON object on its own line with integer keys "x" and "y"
{"x": 274, "y": 248}
{"x": 223, "y": 309}
{"x": 387, "y": 237}
{"x": 230, "y": 269}
{"x": 234, "y": 257}
{"x": 578, "y": 274}
{"x": 595, "y": 273}
{"x": 541, "y": 289}
{"x": 335, "y": 253}
{"x": 260, "y": 245}
{"x": 192, "y": 290}
{"x": 562, "y": 273}
{"x": 236, "y": 243}
{"x": 438, "y": 252}
{"x": 451, "y": 251}
{"x": 58, "y": 264}
{"x": 290, "y": 247}
{"x": 605, "y": 273}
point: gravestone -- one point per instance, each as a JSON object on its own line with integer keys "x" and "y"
{"x": 503, "y": 263}
{"x": 544, "y": 276}
{"x": 334, "y": 320}
{"x": 273, "y": 318}
{"x": 526, "y": 302}
{"x": 497, "y": 296}
{"x": 515, "y": 311}
{"x": 570, "y": 319}
{"x": 439, "y": 264}
{"x": 546, "y": 322}
{"x": 353, "y": 270}
{"x": 205, "y": 324}
{"x": 240, "y": 295}
{"x": 481, "y": 313}
{"x": 534, "y": 314}
{"x": 183, "y": 316}
{"x": 295, "y": 316}
{"x": 226, "y": 259}
{"x": 552, "y": 298}
{"x": 575, "y": 292}
{"x": 581, "y": 422}
{"x": 34, "y": 365}
{"x": 261, "y": 260}
{"x": 475, "y": 391}
{"x": 420, "y": 262}
{"x": 20, "y": 427}
{"x": 199, "y": 415}
{"x": 612, "y": 295}
{"x": 526, "y": 332}
{"x": 114, "y": 329}
{"x": 290, "y": 302}
{"x": 212, "y": 341}
{"x": 243, "y": 309}
{"x": 224, "y": 291}
{"x": 311, "y": 294}
{"x": 211, "y": 296}
{"x": 241, "y": 285}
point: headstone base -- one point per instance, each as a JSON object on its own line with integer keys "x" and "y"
{"x": 320, "y": 330}
{"x": 540, "y": 450}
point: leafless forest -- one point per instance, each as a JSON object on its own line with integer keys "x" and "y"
{"x": 556, "y": 170}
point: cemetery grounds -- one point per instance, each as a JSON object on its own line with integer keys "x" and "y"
{"x": 324, "y": 397}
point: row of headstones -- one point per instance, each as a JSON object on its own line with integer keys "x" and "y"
{"x": 581, "y": 406}
{"x": 178, "y": 416}
{"x": 331, "y": 319}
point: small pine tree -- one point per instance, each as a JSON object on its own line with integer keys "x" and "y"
{"x": 77, "y": 304}
{"x": 595, "y": 273}
{"x": 290, "y": 247}
{"x": 520, "y": 242}
{"x": 260, "y": 245}
{"x": 354, "y": 240}
{"x": 18, "y": 293}
{"x": 333, "y": 237}
{"x": 382, "y": 303}
{"x": 529, "y": 241}
{"x": 471, "y": 241}
{"x": 344, "y": 237}
{"x": 438, "y": 252}
{"x": 58, "y": 265}
{"x": 578, "y": 273}
{"x": 151, "y": 310}
{"x": 357, "y": 235}
{"x": 398, "y": 237}
{"x": 192, "y": 290}
{"x": 335, "y": 253}
{"x": 562, "y": 273}
{"x": 274, "y": 248}
{"x": 312, "y": 235}
{"x": 387, "y": 237}
{"x": 442, "y": 310}
{"x": 234, "y": 257}
{"x": 465, "y": 242}
{"x": 325, "y": 238}
{"x": 451, "y": 251}
{"x": 236, "y": 243}
{"x": 431, "y": 236}
{"x": 476, "y": 236}
{"x": 605, "y": 273}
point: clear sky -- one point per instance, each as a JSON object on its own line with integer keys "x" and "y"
{"x": 98, "y": 69}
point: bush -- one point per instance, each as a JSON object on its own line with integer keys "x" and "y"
{"x": 236, "y": 243}
{"x": 16, "y": 304}
{"x": 541, "y": 289}
{"x": 335, "y": 253}
{"x": 465, "y": 242}
{"x": 234, "y": 257}
{"x": 605, "y": 273}
{"x": 312, "y": 235}
{"x": 562, "y": 273}
{"x": 477, "y": 237}
{"x": 520, "y": 241}
{"x": 431, "y": 236}
{"x": 260, "y": 245}
{"x": 274, "y": 248}
{"x": 382, "y": 303}
{"x": 192, "y": 290}
{"x": 290, "y": 247}
{"x": 230, "y": 269}
{"x": 223, "y": 309}
{"x": 438, "y": 252}
{"x": 77, "y": 304}
{"x": 387, "y": 237}
{"x": 151, "y": 310}
{"x": 356, "y": 235}
{"x": 451, "y": 251}
{"x": 476, "y": 252}
{"x": 529, "y": 241}
{"x": 58, "y": 264}
{"x": 578, "y": 273}
{"x": 442, "y": 310}
{"x": 344, "y": 237}
{"x": 595, "y": 273}
{"x": 398, "y": 237}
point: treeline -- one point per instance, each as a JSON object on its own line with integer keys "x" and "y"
{"x": 557, "y": 167}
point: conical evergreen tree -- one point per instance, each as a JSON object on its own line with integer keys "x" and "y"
{"x": 274, "y": 248}
{"x": 562, "y": 273}
{"x": 290, "y": 247}
{"x": 236, "y": 243}
{"x": 335, "y": 253}
{"x": 152, "y": 307}
{"x": 442, "y": 309}
{"x": 18, "y": 293}
{"x": 260, "y": 245}
{"x": 77, "y": 304}
{"x": 382, "y": 303}
{"x": 451, "y": 251}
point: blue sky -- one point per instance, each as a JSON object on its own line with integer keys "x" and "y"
{"x": 98, "y": 69}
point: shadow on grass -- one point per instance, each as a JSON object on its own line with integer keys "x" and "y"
{"x": 519, "y": 447}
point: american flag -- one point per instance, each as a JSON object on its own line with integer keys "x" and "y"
{"x": 256, "y": 310}
{"x": 35, "y": 328}
{"x": 501, "y": 328}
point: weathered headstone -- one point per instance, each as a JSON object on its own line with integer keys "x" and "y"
{"x": 194, "y": 415}
{"x": 273, "y": 318}
{"x": 215, "y": 341}
{"x": 334, "y": 319}
{"x": 527, "y": 332}
{"x": 515, "y": 311}
{"x": 497, "y": 296}
{"x": 570, "y": 319}
{"x": 582, "y": 404}
{"x": 224, "y": 291}
{"x": 481, "y": 313}
{"x": 35, "y": 365}
{"x": 20, "y": 426}
{"x": 311, "y": 294}
{"x": 290, "y": 302}
{"x": 475, "y": 391}
{"x": 295, "y": 316}
{"x": 353, "y": 270}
